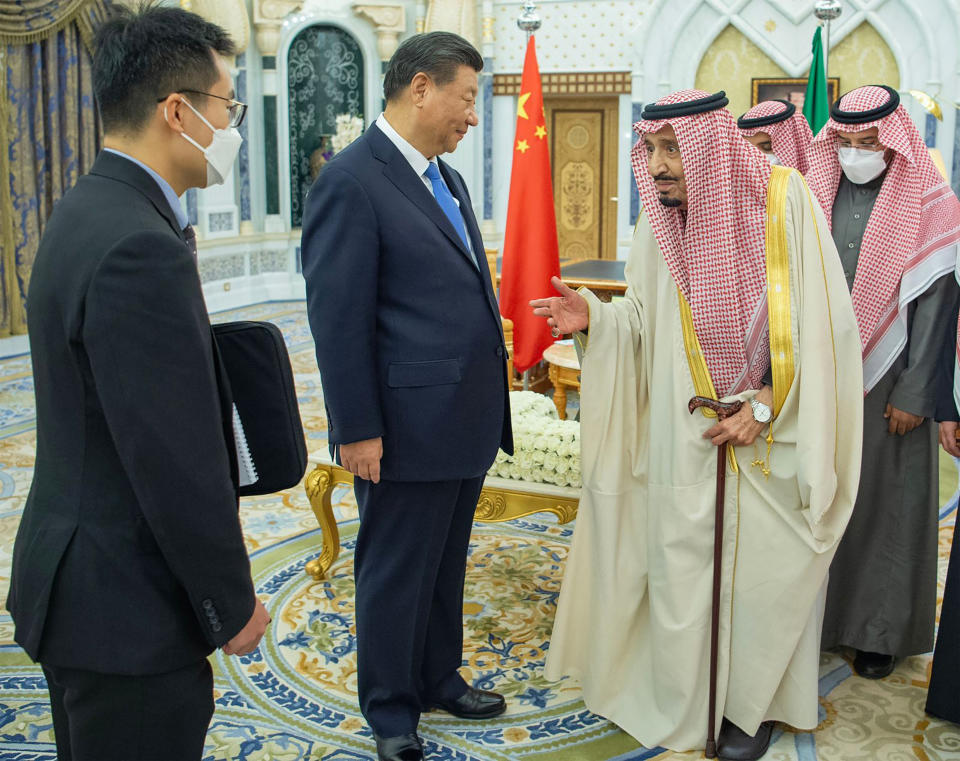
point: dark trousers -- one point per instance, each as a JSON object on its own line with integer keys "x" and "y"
{"x": 107, "y": 717}
{"x": 943, "y": 697}
{"x": 409, "y": 565}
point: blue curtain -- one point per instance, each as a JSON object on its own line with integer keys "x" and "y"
{"x": 49, "y": 131}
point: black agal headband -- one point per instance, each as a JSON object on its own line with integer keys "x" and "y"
{"x": 765, "y": 121}
{"x": 862, "y": 117}
{"x": 653, "y": 112}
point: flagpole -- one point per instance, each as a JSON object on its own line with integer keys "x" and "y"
{"x": 529, "y": 22}
{"x": 827, "y": 11}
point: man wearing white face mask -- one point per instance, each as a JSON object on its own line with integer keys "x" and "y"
{"x": 896, "y": 225}
{"x": 225, "y": 145}
{"x": 129, "y": 566}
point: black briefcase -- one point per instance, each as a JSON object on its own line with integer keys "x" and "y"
{"x": 260, "y": 380}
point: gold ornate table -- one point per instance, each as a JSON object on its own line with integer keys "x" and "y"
{"x": 501, "y": 499}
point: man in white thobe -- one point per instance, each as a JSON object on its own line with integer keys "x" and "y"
{"x": 734, "y": 292}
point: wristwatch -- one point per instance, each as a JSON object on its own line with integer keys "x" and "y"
{"x": 761, "y": 412}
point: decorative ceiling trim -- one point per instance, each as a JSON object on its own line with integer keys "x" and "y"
{"x": 570, "y": 83}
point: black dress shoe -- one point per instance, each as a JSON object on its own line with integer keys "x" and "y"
{"x": 474, "y": 704}
{"x": 399, "y": 748}
{"x": 873, "y": 665}
{"x": 734, "y": 744}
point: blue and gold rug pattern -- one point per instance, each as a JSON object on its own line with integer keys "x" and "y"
{"x": 295, "y": 698}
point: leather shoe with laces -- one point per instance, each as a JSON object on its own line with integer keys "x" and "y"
{"x": 474, "y": 704}
{"x": 734, "y": 744}
{"x": 873, "y": 665}
{"x": 399, "y": 748}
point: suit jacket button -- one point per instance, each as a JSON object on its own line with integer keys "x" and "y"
{"x": 216, "y": 626}
{"x": 499, "y": 351}
{"x": 207, "y": 604}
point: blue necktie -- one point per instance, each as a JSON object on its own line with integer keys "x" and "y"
{"x": 447, "y": 203}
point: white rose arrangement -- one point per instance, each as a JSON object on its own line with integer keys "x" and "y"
{"x": 546, "y": 449}
{"x": 349, "y": 128}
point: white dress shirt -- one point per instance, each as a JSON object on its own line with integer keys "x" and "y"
{"x": 418, "y": 162}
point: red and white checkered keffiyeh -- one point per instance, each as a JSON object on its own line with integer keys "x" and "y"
{"x": 717, "y": 255}
{"x": 791, "y": 137}
{"x": 912, "y": 234}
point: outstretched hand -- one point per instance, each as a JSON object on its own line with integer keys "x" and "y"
{"x": 567, "y": 313}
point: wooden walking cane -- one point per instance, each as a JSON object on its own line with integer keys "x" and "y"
{"x": 723, "y": 410}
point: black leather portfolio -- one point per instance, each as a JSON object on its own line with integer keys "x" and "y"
{"x": 271, "y": 450}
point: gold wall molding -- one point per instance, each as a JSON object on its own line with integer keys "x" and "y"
{"x": 459, "y": 16}
{"x": 570, "y": 83}
{"x": 231, "y": 15}
{"x": 389, "y": 22}
{"x": 268, "y": 18}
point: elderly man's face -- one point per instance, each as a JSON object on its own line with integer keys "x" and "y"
{"x": 665, "y": 167}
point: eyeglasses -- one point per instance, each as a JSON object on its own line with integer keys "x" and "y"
{"x": 236, "y": 109}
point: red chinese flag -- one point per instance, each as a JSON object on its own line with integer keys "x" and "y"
{"x": 530, "y": 255}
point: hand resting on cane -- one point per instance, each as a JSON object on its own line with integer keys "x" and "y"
{"x": 742, "y": 428}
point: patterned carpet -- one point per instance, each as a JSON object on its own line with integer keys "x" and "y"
{"x": 295, "y": 698}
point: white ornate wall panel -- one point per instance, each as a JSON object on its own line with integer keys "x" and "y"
{"x": 575, "y": 36}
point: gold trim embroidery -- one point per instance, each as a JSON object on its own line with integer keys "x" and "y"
{"x": 702, "y": 382}
{"x": 778, "y": 287}
{"x": 778, "y": 302}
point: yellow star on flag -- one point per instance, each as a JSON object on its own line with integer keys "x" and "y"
{"x": 521, "y": 102}
{"x": 522, "y": 146}
{"x": 541, "y": 132}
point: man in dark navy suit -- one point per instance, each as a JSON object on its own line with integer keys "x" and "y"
{"x": 412, "y": 363}
{"x": 129, "y": 566}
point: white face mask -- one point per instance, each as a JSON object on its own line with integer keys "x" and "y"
{"x": 860, "y": 165}
{"x": 773, "y": 159}
{"x": 222, "y": 151}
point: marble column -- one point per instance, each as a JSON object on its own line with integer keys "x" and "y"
{"x": 955, "y": 164}
{"x": 488, "y": 227}
{"x": 930, "y": 131}
{"x": 634, "y": 193}
{"x": 243, "y": 159}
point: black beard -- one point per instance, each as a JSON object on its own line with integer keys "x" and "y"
{"x": 671, "y": 203}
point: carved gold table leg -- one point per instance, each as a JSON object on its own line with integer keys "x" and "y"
{"x": 319, "y": 487}
{"x": 559, "y": 392}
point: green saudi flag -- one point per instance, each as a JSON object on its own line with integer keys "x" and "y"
{"x": 816, "y": 103}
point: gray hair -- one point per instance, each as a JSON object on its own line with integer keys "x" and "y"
{"x": 437, "y": 54}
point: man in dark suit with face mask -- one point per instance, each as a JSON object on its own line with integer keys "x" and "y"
{"x": 129, "y": 567}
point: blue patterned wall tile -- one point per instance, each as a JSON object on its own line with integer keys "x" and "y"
{"x": 634, "y": 193}
{"x": 930, "y": 138}
{"x": 243, "y": 160}
{"x": 220, "y": 221}
{"x": 192, "y": 206}
{"x": 487, "y": 85}
{"x": 222, "y": 267}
